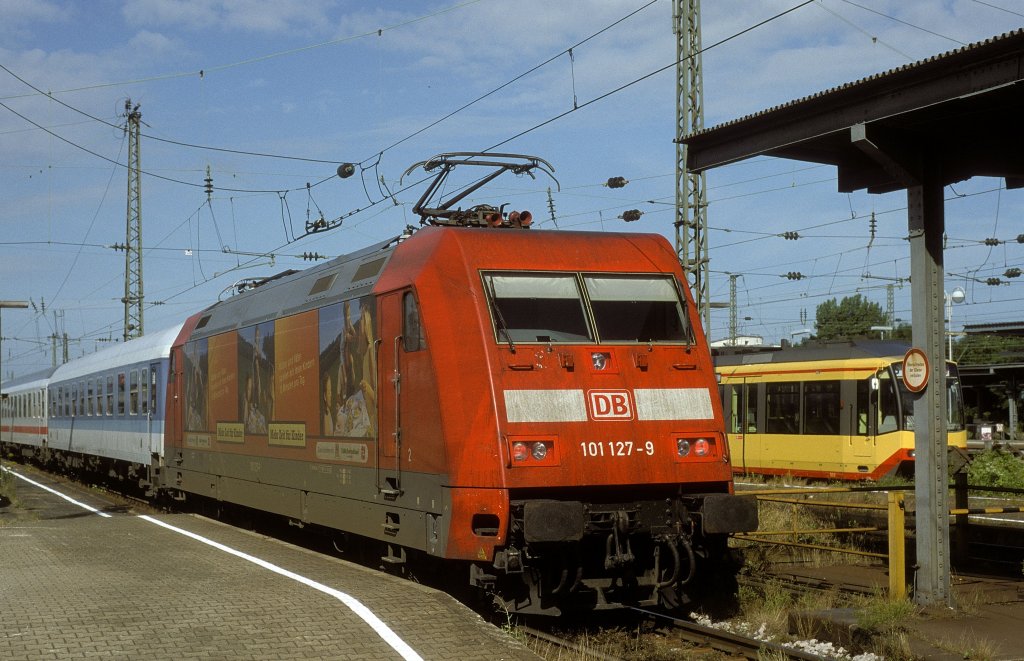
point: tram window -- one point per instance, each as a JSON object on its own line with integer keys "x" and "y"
{"x": 954, "y": 405}
{"x": 120, "y": 393}
{"x": 110, "y": 395}
{"x": 536, "y": 308}
{"x": 742, "y": 409}
{"x": 636, "y": 308}
{"x": 412, "y": 328}
{"x": 821, "y": 407}
{"x": 863, "y": 394}
{"x": 888, "y": 408}
{"x": 144, "y": 398}
{"x": 782, "y": 402}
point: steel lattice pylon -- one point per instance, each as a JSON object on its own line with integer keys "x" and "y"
{"x": 133, "y": 295}
{"x": 691, "y": 200}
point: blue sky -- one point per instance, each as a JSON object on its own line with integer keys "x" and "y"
{"x": 322, "y": 82}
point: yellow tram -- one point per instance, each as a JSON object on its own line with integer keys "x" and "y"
{"x": 832, "y": 411}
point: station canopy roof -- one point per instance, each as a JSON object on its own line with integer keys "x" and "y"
{"x": 959, "y": 114}
{"x": 1015, "y": 328}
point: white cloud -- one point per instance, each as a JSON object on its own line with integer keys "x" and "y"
{"x": 262, "y": 16}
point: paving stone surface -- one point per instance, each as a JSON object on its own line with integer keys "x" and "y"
{"x": 78, "y": 586}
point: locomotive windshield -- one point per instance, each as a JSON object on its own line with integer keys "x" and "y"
{"x": 554, "y": 307}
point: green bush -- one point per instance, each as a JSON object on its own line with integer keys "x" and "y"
{"x": 996, "y": 468}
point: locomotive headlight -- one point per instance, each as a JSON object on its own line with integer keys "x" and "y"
{"x": 701, "y": 447}
{"x": 682, "y": 447}
{"x": 539, "y": 451}
{"x": 520, "y": 451}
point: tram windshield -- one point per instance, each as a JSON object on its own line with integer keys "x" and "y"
{"x": 554, "y": 307}
{"x": 954, "y": 400}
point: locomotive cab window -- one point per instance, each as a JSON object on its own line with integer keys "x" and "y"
{"x": 535, "y": 307}
{"x": 412, "y": 327}
{"x": 637, "y": 308}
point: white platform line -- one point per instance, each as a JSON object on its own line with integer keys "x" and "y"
{"x": 55, "y": 492}
{"x": 389, "y": 636}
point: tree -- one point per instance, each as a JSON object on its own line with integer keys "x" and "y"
{"x": 852, "y": 317}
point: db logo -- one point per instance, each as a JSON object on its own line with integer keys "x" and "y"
{"x": 610, "y": 405}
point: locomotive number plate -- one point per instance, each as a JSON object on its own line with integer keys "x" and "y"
{"x": 617, "y": 448}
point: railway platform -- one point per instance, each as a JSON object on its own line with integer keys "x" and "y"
{"x": 87, "y": 579}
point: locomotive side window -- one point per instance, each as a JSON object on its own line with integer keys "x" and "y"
{"x": 537, "y": 308}
{"x": 636, "y": 308}
{"x": 412, "y": 328}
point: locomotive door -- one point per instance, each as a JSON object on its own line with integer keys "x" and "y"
{"x": 400, "y": 388}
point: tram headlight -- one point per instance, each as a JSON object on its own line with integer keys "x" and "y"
{"x": 682, "y": 447}
{"x": 540, "y": 450}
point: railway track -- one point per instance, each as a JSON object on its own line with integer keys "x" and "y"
{"x": 729, "y": 642}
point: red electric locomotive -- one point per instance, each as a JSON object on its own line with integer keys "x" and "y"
{"x": 535, "y": 408}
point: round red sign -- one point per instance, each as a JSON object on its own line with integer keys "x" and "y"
{"x": 915, "y": 370}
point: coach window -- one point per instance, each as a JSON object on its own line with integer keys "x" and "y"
{"x": 782, "y": 402}
{"x": 821, "y": 407}
{"x": 144, "y": 398}
{"x": 120, "y": 393}
{"x": 152, "y": 386}
{"x": 90, "y": 401}
{"x": 133, "y": 392}
{"x": 110, "y": 395}
{"x": 636, "y": 308}
{"x": 536, "y": 307}
{"x": 412, "y": 327}
{"x": 81, "y": 398}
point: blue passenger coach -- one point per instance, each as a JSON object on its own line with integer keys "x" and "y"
{"x": 107, "y": 408}
{"x": 23, "y": 410}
